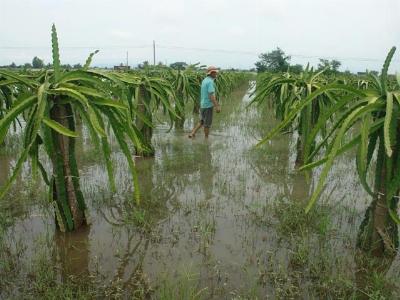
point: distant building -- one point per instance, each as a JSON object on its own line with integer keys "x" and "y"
{"x": 122, "y": 67}
{"x": 367, "y": 72}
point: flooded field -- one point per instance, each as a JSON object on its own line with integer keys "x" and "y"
{"x": 219, "y": 219}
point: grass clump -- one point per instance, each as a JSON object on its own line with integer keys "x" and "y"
{"x": 292, "y": 218}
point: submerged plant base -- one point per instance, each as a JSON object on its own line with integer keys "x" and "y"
{"x": 378, "y": 244}
{"x": 64, "y": 186}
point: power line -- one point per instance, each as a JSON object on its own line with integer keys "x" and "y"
{"x": 76, "y": 47}
{"x": 340, "y": 58}
{"x": 292, "y": 55}
{"x": 208, "y": 50}
{"x": 175, "y": 47}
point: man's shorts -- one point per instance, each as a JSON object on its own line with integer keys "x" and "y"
{"x": 206, "y": 116}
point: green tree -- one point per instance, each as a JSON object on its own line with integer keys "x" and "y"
{"x": 274, "y": 61}
{"x": 144, "y": 65}
{"x": 335, "y": 64}
{"x": 37, "y": 63}
{"x": 296, "y": 69}
{"x": 331, "y": 66}
{"x": 67, "y": 66}
{"x": 179, "y": 65}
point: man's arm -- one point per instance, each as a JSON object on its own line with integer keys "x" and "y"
{"x": 211, "y": 96}
{"x": 214, "y": 101}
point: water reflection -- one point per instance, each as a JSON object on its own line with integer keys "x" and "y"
{"x": 5, "y": 163}
{"x": 206, "y": 170}
{"x": 72, "y": 252}
{"x": 130, "y": 263}
{"x": 300, "y": 188}
{"x": 157, "y": 192}
{"x": 182, "y": 167}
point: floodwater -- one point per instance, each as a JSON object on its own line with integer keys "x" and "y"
{"x": 215, "y": 220}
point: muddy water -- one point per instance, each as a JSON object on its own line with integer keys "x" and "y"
{"x": 207, "y": 217}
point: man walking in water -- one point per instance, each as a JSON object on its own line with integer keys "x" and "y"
{"x": 207, "y": 102}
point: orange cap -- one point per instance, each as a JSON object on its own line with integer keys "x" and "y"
{"x": 211, "y": 69}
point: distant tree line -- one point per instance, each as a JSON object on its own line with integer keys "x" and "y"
{"x": 274, "y": 61}
{"x": 38, "y": 63}
{"x": 277, "y": 61}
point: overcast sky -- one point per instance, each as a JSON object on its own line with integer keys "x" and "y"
{"x": 357, "y": 32}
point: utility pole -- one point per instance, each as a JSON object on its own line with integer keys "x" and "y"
{"x": 127, "y": 59}
{"x": 154, "y": 53}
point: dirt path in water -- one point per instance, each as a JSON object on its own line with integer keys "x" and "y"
{"x": 212, "y": 220}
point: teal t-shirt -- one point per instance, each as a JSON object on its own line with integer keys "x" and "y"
{"x": 207, "y": 87}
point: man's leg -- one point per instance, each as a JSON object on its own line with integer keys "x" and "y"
{"x": 206, "y": 132}
{"x": 198, "y": 126}
{"x": 193, "y": 133}
{"x": 208, "y": 116}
